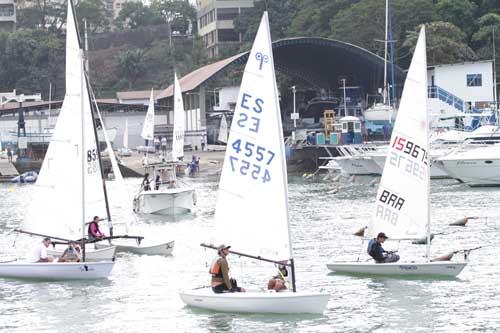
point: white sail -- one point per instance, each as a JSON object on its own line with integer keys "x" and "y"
{"x": 402, "y": 202}
{"x": 125, "y": 134}
{"x": 251, "y": 212}
{"x": 222, "y": 137}
{"x": 148, "y": 128}
{"x": 179, "y": 121}
{"x": 57, "y": 208}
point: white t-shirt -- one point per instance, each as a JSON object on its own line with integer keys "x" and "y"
{"x": 164, "y": 141}
{"x": 39, "y": 252}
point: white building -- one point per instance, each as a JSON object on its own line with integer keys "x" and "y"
{"x": 8, "y": 15}
{"x": 468, "y": 84}
{"x": 226, "y": 97}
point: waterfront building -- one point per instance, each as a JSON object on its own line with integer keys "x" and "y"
{"x": 215, "y": 22}
{"x": 8, "y": 15}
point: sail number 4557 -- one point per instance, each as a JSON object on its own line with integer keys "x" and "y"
{"x": 255, "y": 169}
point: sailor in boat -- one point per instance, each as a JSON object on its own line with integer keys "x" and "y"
{"x": 277, "y": 282}
{"x": 377, "y": 252}
{"x": 40, "y": 252}
{"x": 146, "y": 182}
{"x": 71, "y": 254}
{"x": 221, "y": 282}
{"x": 93, "y": 231}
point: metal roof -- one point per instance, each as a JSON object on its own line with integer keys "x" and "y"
{"x": 318, "y": 61}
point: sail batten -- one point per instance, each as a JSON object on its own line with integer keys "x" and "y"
{"x": 252, "y": 205}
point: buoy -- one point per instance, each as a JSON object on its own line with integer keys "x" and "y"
{"x": 360, "y": 232}
{"x": 422, "y": 240}
{"x": 445, "y": 257}
{"x": 461, "y": 222}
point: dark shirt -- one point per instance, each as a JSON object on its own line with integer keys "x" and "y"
{"x": 375, "y": 250}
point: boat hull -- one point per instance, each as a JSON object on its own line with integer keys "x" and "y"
{"x": 361, "y": 165}
{"x": 56, "y": 271}
{"x": 105, "y": 252}
{"x": 257, "y": 301}
{"x": 164, "y": 249}
{"x": 165, "y": 201}
{"x": 474, "y": 172}
{"x": 445, "y": 269}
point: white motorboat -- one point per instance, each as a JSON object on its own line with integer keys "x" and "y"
{"x": 380, "y": 112}
{"x": 169, "y": 196}
{"x": 105, "y": 253}
{"x": 256, "y": 199}
{"x": 402, "y": 209}
{"x": 70, "y": 186}
{"x": 474, "y": 166}
{"x": 164, "y": 249}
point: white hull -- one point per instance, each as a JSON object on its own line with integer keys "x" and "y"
{"x": 256, "y": 301}
{"x": 380, "y": 112}
{"x": 450, "y": 269}
{"x": 474, "y": 172}
{"x": 437, "y": 171}
{"x": 164, "y": 249}
{"x": 56, "y": 271}
{"x": 359, "y": 165}
{"x": 104, "y": 253}
{"x": 165, "y": 201}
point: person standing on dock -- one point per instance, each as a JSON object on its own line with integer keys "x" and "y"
{"x": 9, "y": 154}
{"x": 221, "y": 282}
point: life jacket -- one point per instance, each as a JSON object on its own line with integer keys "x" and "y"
{"x": 89, "y": 229}
{"x": 215, "y": 269}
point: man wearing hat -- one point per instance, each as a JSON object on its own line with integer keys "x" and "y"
{"x": 221, "y": 282}
{"x": 377, "y": 252}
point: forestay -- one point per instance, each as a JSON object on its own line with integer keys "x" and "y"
{"x": 251, "y": 212}
{"x": 402, "y": 202}
{"x": 57, "y": 207}
{"x": 179, "y": 121}
{"x": 148, "y": 127}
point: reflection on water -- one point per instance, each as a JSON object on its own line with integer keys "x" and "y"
{"x": 142, "y": 292}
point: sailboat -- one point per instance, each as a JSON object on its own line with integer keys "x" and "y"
{"x": 384, "y": 111}
{"x": 125, "y": 151}
{"x": 252, "y": 206}
{"x": 169, "y": 196}
{"x": 222, "y": 137}
{"x": 70, "y": 187}
{"x": 402, "y": 208}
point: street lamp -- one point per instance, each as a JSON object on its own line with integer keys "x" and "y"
{"x": 294, "y": 115}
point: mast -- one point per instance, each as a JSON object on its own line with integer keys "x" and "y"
{"x": 495, "y": 79}
{"x": 428, "y": 245}
{"x": 391, "y": 55}
{"x": 86, "y": 47}
{"x": 385, "y": 50}
{"x": 82, "y": 120}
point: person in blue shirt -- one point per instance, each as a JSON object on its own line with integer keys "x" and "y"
{"x": 377, "y": 252}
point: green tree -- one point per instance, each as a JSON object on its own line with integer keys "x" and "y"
{"x": 180, "y": 14}
{"x": 280, "y": 12}
{"x": 131, "y": 64}
{"x": 96, "y": 14}
{"x": 313, "y": 17}
{"x": 445, "y": 44}
{"x": 135, "y": 14}
{"x": 459, "y": 12}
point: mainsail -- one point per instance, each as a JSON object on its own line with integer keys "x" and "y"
{"x": 148, "y": 128}
{"x": 402, "y": 202}
{"x": 222, "y": 137}
{"x": 179, "y": 121}
{"x": 58, "y": 206}
{"x": 252, "y": 206}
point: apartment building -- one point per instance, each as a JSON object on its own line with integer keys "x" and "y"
{"x": 215, "y": 22}
{"x": 7, "y": 15}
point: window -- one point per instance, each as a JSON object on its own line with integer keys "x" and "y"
{"x": 474, "y": 80}
{"x": 227, "y": 13}
{"x": 228, "y": 35}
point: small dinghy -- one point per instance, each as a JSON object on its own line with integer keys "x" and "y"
{"x": 252, "y": 205}
{"x": 403, "y": 199}
{"x": 106, "y": 253}
{"x": 70, "y": 187}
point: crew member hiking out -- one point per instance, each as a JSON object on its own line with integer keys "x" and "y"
{"x": 221, "y": 282}
{"x": 377, "y": 252}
